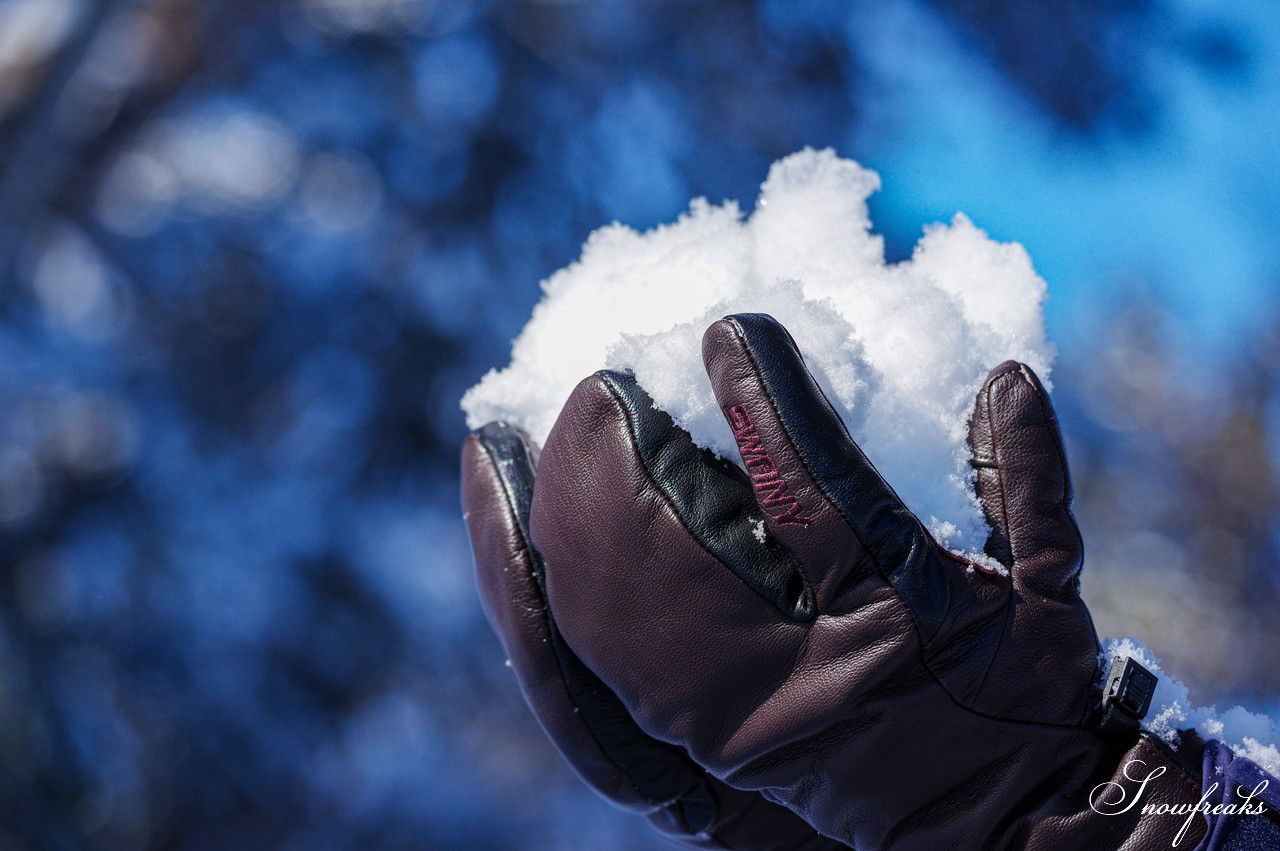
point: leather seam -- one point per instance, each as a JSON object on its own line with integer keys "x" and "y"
{"x": 1004, "y": 522}
{"x": 755, "y": 368}
{"x": 667, "y": 501}
{"x": 670, "y": 504}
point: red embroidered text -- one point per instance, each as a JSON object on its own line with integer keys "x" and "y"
{"x": 770, "y": 486}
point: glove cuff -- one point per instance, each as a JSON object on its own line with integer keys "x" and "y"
{"x": 1148, "y": 803}
{"x": 1166, "y": 804}
{"x": 1241, "y": 802}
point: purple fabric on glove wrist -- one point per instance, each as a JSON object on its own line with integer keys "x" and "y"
{"x": 1238, "y": 794}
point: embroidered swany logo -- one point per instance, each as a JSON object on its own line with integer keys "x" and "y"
{"x": 775, "y": 496}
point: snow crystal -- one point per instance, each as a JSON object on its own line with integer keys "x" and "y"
{"x": 899, "y": 349}
{"x": 757, "y": 529}
{"x": 1247, "y": 733}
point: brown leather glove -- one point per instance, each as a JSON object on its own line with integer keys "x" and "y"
{"x": 892, "y": 694}
{"x": 582, "y": 716}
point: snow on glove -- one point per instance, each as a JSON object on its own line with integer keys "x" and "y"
{"x": 586, "y": 721}
{"x": 796, "y": 630}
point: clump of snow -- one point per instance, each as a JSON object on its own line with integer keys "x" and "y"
{"x": 899, "y": 349}
{"x": 1247, "y": 733}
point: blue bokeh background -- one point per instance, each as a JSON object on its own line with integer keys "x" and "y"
{"x": 253, "y": 251}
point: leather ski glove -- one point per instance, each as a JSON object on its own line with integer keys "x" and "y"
{"x": 582, "y": 716}
{"x": 797, "y": 631}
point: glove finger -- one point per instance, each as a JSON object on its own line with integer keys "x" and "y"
{"x": 582, "y": 716}
{"x": 585, "y": 720}
{"x": 497, "y": 489}
{"x": 1023, "y": 483}
{"x": 822, "y": 498}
